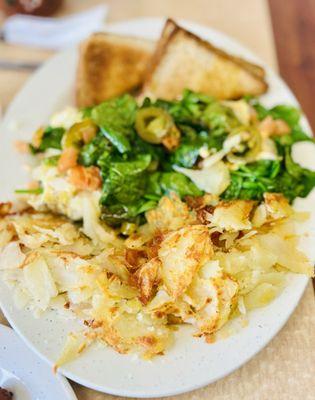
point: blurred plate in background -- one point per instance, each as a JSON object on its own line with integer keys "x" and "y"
{"x": 24, "y": 374}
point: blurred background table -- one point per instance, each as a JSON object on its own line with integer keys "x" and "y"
{"x": 285, "y": 368}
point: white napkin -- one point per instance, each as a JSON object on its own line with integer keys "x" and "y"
{"x": 53, "y": 33}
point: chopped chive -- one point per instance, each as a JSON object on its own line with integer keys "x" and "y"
{"x": 29, "y": 191}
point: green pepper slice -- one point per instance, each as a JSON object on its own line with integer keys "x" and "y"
{"x": 250, "y": 145}
{"x": 79, "y": 133}
{"x": 153, "y": 124}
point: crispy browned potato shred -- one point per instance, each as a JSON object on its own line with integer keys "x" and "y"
{"x": 177, "y": 268}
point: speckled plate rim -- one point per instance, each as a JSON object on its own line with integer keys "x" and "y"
{"x": 31, "y": 369}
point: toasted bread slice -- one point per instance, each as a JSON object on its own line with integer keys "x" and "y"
{"x": 183, "y": 60}
{"x": 110, "y": 65}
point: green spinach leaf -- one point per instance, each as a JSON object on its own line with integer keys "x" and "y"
{"x": 186, "y": 154}
{"x": 94, "y": 150}
{"x": 161, "y": 183}
{"x": 51, "y": 140}
{"x": 251, "y": 181}
{"x": 116, "y": 118}
{"x": 126, "y": 180}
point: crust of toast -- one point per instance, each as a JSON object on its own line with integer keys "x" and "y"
{"x": 183, "y": 60}
{"x": 110, "y": 65}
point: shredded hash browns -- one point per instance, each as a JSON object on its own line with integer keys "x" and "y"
{"x": 200, "y": 263}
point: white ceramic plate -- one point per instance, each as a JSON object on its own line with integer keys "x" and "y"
{"x": 191, "y": 363}
{"x": 27, "y": 376}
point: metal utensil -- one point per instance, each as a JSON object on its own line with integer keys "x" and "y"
{"x": 17, "y": 65}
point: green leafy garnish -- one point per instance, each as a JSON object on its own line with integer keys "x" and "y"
{"x": 123, "y": 188}
{"x": 93, "y": 151}
{"x": 116, "y": 119}
{"x": 51, "y": 139}
{"x": 125, "y": 179}
{"x": 251, "y": 181}
{"x": 162, "y": 183}
{"x": 290, "y": 115}
{"x": 137, "y": 170}
{"x": 187, "y": 154}
{"x": 284, "y": 176}
{"x": 29, "y": 191}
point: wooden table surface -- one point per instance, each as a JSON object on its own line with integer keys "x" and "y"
{"x": 285, "y": 368}
{"x": 294, "y": 32}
